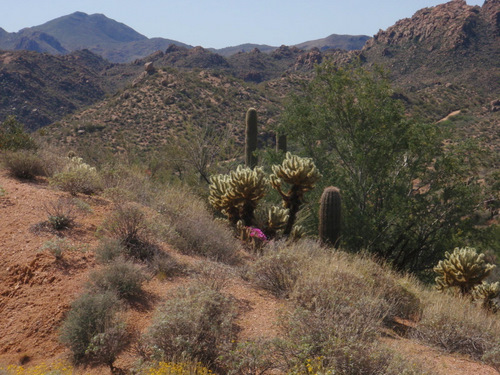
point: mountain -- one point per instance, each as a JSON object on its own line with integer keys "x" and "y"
{"x": 112, "y": 40}
{"x": 247, "y": 47}
{"x": 335, "y": 41}
{"x": 118, "y": 42}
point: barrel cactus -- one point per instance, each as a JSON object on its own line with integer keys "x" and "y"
{"x": 251, "y": 138}
{"x": 464, "y": 268}
{"x": 329, "y": 216}
{"x": 301, "y": 175}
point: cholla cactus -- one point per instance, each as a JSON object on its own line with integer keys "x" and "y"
{"x": 301, "y": 175}
{"x": 236, "y": 195}
{"x": 464, "y": 268}
{"x": 297, "y": 232}
{"x": 271, "y": 220}
{"x": 488, "y": 292}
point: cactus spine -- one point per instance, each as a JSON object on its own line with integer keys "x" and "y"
{"x": 251, "y": 138}
{"x": 329, "y": 216}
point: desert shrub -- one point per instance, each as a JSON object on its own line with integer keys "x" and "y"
{"x": 165, "y": 266}
{"x": 492, "y": 357}
{"x": 324, "y": 341}
{"x": 57, "y": 247}
{"x": 213, "y": 274}
{"x": 77, "y": 177}
{"x": 60, "y": 213}
{"x": 91, "y": 316}
{"x": 128, "y": 224}
{"x": 109, "y": 249}
{"x": 195, "y": 230}
{"x": 23, "y": 164}
{"x": 456, "y": 325}
{"x": 196, "y": 322}
{"x": 252, "y": 357}
{"x": 121, "y": 277}
{"x": 277, "y": 270}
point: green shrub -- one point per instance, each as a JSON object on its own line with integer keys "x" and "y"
{"x": 196, "y": 322}
{"x": 13, "y": 136}
{"x": 91, "y": 316}
{"x": 23, "y": 164}
{"x": 58, "y": 246}
{"x": 109, "y": 249}
{"x": 77, "y": 177}
{"x": 121, "y": 277}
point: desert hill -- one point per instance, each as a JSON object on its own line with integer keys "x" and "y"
{"x": 39, "y": 285}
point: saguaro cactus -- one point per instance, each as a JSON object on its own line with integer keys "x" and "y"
{"x": 281, "y": 143}
{"x": 251, "y": 138}
{"x": 329, "y": 216}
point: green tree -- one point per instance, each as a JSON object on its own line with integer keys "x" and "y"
{"x": 13, "y": 136}
{"x": 405, "y": 193}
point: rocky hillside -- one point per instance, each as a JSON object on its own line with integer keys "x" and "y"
{"x": 161, "y": 102}
{"x": 445, "y": 57}
{"x": 39, "y": 88}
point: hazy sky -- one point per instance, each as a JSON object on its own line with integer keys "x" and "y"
{"x": 223, "y": 23}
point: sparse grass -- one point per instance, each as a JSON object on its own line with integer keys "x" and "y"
{"x": 195, "y": 230}
{"x": 58, "y": 246}
{"x": 456, "y": 325}
{"x": 41, "y": 369}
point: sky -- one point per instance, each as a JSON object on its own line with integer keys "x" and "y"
{"x": 224, "y": 23}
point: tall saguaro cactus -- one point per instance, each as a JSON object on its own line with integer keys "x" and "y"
{"x": 281, "y": 143}
{"x": 251, "y": 138}
{"x": 329, "y": 216}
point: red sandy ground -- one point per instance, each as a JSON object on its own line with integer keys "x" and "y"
{"x": 36, "y": 290}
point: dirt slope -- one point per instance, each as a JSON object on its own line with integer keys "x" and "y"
{"x": 36, "y": 289}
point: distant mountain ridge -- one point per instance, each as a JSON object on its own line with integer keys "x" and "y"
{"x": 118, "y": 42}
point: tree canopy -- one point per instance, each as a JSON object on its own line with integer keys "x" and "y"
{"x": 407, "y": 193}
